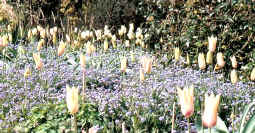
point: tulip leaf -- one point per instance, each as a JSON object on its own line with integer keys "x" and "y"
{"x": 247, "y": 108}
{"x": 219, "y": 128}
{"x": 250, "y": 126}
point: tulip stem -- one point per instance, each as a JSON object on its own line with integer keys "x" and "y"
{"x": 83, "y": 84}
{"x": 188, "y": 126}
{"x": 173, "y": 118}
{"x": 210, "y": 130}
{"x": 75, "y": 123}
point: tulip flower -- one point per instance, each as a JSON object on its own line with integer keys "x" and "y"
{"x": 72, "y": 102}
{"x": 233, "y": 62}
{"x": 188, "y": 59}
{"x": 127, "y": 43}
{"x": 40, "y": 44}
{"x": 212, "y": 43}
{"x": 234, "y": 76}
{"x": 27, "y": 73}
{"x": 201, "y": 61}
{"x": 123, "y": 62}
{"x": 113, "y": 40}
{"x": 142, "y": 78}
{"x": 209, "y": 57}
{"x": 82, "y": 60}
{"x": 177, "y": 53}
{"x": 38, "y": 61}
{"x": 72, "y": 99}
{"x": 146, "y": 64}
{"x": 209, "y": 117}
{"x": 106, "y": 44}
{"x": 186, "y": 98}
{"x": 61, "y": 48}
{"x": 220, "y": 61}
{"x": 253, "y": 75}
{"x": 5, "y": 41}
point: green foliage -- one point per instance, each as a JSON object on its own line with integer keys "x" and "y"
{"x": 55, "y": 117}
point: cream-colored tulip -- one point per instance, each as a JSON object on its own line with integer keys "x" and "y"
{"x": 9, "y": 37}
{"x": 201, "y": 61}
{"x": 27, "y": 73}
{"x": 142, "y": 77}
{"x": 253, "y": 74}
{"x": 123, "y": 64}
{"x": 186, "y": 98}
{"x": 188, "y": 59}
{"x": 234, "y": 76}
{"x": 113, "y": 40}
{"x": 82, "y": 60}
{"x": 209, "y": 117}
{"x": 209, "y": 57}
{"x": 106, "y": 45}
{"x": 40, "y": 44}
{"x": 38, "y": 61}
{"x": 212, "y": 43}
{"x": 43, "y": 33}
{"x": 233, "y": 62}
{"x": 54, "y": 39}
{"x": 29, "y": 34}
{"x": 177, "y": 54}
{"x": 34, "y": 32}
{"x": 220, "y": 60}
{"x": 146, "y": 64}
{"x": 72, "y": 99}
{"x": 131, "y": 35}
{"x": 61, "y": 48}
{"x": 127, "y": 43}
{"x": 5, "y": 41}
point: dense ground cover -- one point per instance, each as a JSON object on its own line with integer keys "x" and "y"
{"x": 33, "y": 91}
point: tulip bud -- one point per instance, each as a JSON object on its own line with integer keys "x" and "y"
{"x": 5, "y": 41}
{"x": 61, "y": 48}
{"x": 34, "y": 32}
{"x": 220, "y": 60}
{"x": 177, "y": 53}
{"x": 201, "y": 61}
{"x": 127, "y": 43}
{"x": 106, "y": 44}
{"x": 209, "y": 117}
{"x": 10, "y": 37}
{"x": 27, "y": 73}
{"x": 40, "y": 44}
{"x": 209, "y": 57}
{"x": 186, "y": 98}
{"x": 54, "y": 39}
{"x": 123, "y": 64}
{"x": 212, "y": 43}
{"x": 253, "y": 75}
{"x": 146, "y": 64}
{"x": 72, "y": 99}
{"x": 38, "y": 61}
{"x": 131, "y": 35}
{"x": 142, "y": 78}
{"x": 82, "y": 60}
{"x": 113, "y": 40}
{"x": 188, "y": 59}
{"x": 68, "y": 39}
{"x": 234, "y": 76}
{"x": 29, "y": 34}
{"x": 43, "y": 33}
{"x": 233, "y": 62}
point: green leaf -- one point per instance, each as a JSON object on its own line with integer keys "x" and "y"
{"x": 250, "y": 126}
{"x": 247, "y": 108}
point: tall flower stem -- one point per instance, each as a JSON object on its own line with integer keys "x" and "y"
{"x": 188, "y": 126}
{"x": 173, "y": 118}
{"x": 74, "y": 124}
{"x": 83, "y": 84}
{"x": 210, "y": 130}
